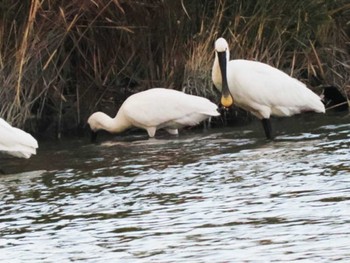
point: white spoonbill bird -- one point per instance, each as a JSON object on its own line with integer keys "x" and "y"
{"x": 155, "y": 109}
{"x": 259, "y": 88}
{"x": 16, "y": 142}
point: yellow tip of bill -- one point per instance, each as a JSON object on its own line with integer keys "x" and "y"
{"x": 226, "y": 101}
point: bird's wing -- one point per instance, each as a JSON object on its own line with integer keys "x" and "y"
{"x": 266, "y": 85}
{"x": 160, "y": 106}
{"x": 15, "y": 141}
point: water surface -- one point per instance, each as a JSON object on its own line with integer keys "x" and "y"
{"x": 224, "y": 195}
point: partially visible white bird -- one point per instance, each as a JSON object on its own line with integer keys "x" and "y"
{"x": 259, "y": 88}
{"x": 155, "y": 109}
{"x": 15, "y": 142}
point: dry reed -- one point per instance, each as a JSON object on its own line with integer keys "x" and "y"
{"x": 61, "y": 60}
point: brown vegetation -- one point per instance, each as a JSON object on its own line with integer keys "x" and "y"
{"x": 62, "y": 60}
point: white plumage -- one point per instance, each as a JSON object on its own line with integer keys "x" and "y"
{"x": 155, "y": 109}
{"x": 259, "y": 88}
{"x": 16, "y": 142}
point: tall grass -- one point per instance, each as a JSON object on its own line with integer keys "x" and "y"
{"x": 307, "y": 39}
{"x": 61, "y": 60}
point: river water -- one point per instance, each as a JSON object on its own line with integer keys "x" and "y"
{"x": 223, "y": 195}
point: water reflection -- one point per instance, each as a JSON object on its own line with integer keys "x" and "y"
{"x": 200, "y": 197}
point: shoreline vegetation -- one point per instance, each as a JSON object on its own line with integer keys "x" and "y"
{"x": 62, "y": 60}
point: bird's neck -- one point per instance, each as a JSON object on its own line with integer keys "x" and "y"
{"x": 115, "y": 125}
{"x": 216, "y": 73}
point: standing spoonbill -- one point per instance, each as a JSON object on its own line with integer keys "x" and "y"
{"x": 16, "y": 142}
{"x": 259, "y": 88}
{"x": 155, "y": 109}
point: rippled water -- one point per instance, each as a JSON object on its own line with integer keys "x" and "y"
{"x": 225, "y": 195}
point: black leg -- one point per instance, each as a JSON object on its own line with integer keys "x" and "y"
{"x": 267, "y": 128}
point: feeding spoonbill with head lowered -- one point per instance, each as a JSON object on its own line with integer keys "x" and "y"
{"x": 259, "y": 88}
{"x": 155, "y": 109}
{"x": 16, "y": 142}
